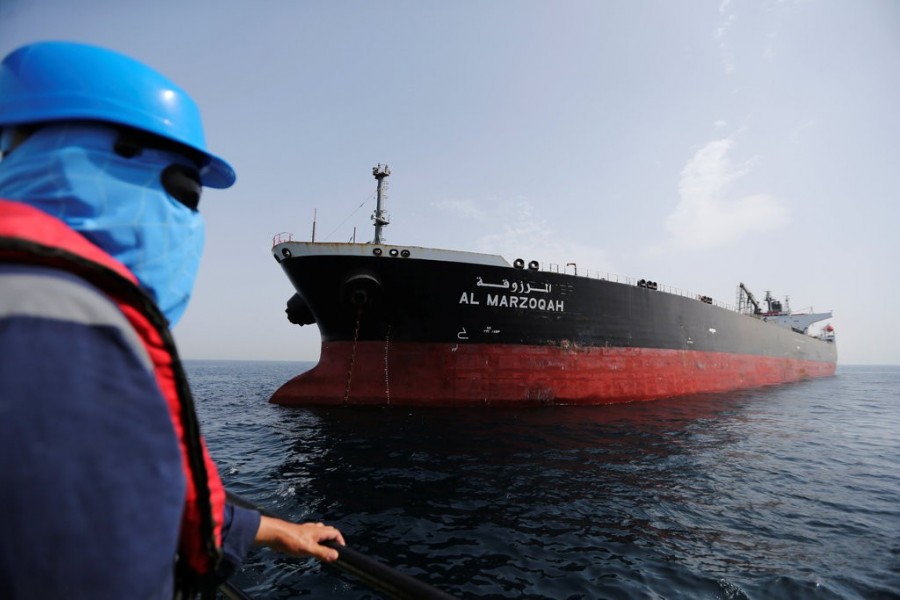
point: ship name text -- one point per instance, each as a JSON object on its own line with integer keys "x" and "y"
{"x": 514, "y": 301}
{"x": 518, "y": 296}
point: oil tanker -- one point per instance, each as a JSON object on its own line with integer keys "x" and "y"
{"x": 408, "y": 325}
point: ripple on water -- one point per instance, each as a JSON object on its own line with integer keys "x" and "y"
{"x": 787, "y": 492}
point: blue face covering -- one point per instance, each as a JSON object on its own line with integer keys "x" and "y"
{"x": 71, "y": 172}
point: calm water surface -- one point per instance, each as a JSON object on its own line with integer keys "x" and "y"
{"x": 786, "y": 492}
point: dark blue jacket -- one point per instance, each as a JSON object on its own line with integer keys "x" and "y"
{"x": 92, "y": 484}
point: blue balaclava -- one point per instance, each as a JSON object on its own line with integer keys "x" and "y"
{"x": 71, "y": 171}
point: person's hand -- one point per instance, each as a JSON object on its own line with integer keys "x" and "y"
{"x": 298, "y": 539}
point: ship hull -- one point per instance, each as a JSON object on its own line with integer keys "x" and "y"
{"x": 444, "y": 330}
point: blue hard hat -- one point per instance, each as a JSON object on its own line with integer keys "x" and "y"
{"x": 63, "y": 81}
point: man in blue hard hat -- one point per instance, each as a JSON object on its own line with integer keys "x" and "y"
{"x": 106, "y": 485}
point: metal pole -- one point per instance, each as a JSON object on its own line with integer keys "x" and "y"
{"x": 380, "y": 216}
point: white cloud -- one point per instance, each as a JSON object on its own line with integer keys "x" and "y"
{"x": 720, "y": 36}
{"x": 769, "y": 52}
{"x": 707, "y": 216}
{"x": 798, "y": 134}
{"x": 464, "y": 209}
{"x": 526, "y": 235}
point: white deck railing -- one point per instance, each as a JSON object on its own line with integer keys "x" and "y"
{"x": 592, "y": 274}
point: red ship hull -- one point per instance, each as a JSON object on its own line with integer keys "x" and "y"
{"x": 416, "y": 373}
{"x": 416, "y": 326}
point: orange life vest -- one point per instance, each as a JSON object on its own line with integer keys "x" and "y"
{"x": 30, "y": 236}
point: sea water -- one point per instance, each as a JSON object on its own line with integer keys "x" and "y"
{"x": 790, "y": 491}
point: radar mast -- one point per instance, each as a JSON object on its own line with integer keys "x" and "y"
{"x": 380, "y": 215}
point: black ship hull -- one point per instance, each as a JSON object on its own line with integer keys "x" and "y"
{"x": 406, "y": 325}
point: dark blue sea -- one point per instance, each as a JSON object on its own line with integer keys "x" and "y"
{"x": 786, "y": 492}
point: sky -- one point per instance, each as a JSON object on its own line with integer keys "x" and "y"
{"x": 695, "y": 143}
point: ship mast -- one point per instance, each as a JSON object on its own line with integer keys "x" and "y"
{"x": 380, "y": 215}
